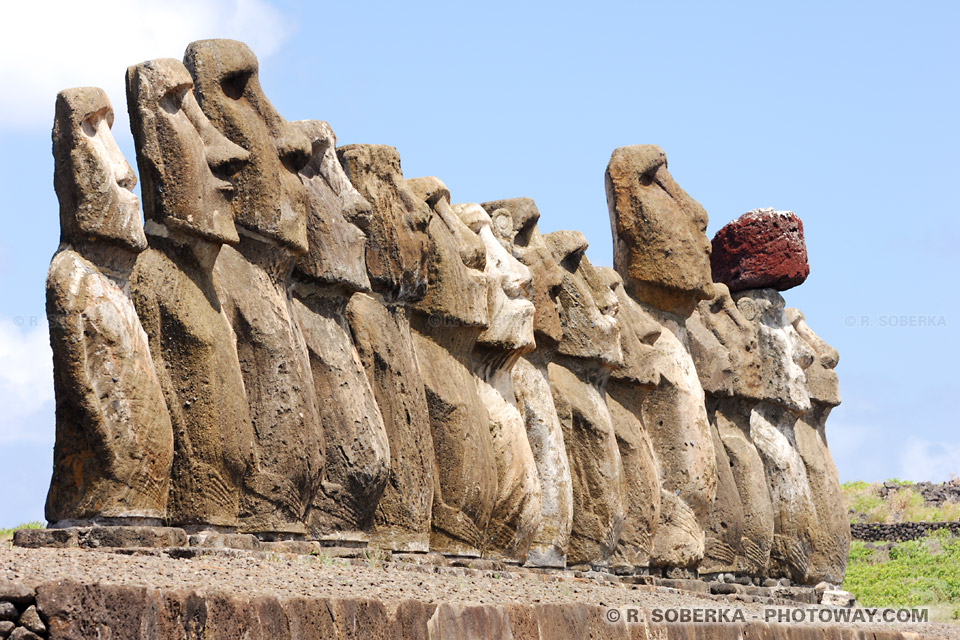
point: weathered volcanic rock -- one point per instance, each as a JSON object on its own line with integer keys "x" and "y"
{"x": 516, "y": 513}
{"x": 587, "y": 352}
{"x": 337, "y": 216}
{"x": 385, "y": 346}
{"x": 397, "y": 253}
{"x": 182, "y": 161}
{"x": 828, "y": 560}
{"x": 114, "y": 445}
{"x": 397, "y": 235}
{"x": 357, "y": 449}
{"x": 531, "y": 382}
{"x": 660, "y": 247}
{"x": 784, "y": 398}
{"x": 626, "y": 390}
{"x": 761, "y": 249}
{"x": 286, "y": 493}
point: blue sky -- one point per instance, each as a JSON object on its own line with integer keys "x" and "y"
{"x": 844, "y": 112}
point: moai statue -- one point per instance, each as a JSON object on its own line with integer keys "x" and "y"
{"x": 396, "y": 258}
{"x": 783, "y": 399}
{"x": 828, "y": 561}
{"x": 516, "y": 512}
{"x": 626, "y": 391}
{"x": 114, "y": 442}
{"x": 447, "y": 322}
{"x": 739, "y": 528}
{"x": 286, "y": 495}
{"x": 324, "y": 279}
{"x": 531, "y": 382}
{"x": 662, "y": 253}
{"x": 585, "y": 355}
{"x": 184, "y": 165}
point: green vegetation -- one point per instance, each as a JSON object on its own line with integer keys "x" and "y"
{"x": 905, "y": 504}
{"x": 6, "y": 535}
{"x": 919, "y": 573}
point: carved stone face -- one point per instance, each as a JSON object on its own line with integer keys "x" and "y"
{"x": 271, "y": 199}
{"x": 528, "y": 245}
{"x": 723, "y": 343}
{"x": 92, "y": 179}
{"x": 659, "y": 232}
{"x": 184, "y": 162}
{"x": 588, "y": 306}
{"x": 821, "y": 378}
{"x": 783, "y": 354}
{"x": 456, "y": 283}
{"x": 510, "y": 287}
{"x": 337, "y": 216}
{"x": 398, "y": 241}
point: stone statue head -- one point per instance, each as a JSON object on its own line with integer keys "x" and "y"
{"x": 723, "y": 343}
{"x": 184, "y": 162}
{"x": 456, "y": 282}
{"x": 397, "y": 243}
{"x": 638, "y": 333}
{"x": 271, "y": 200}
{"x": 660, "y": 245}
{"x": 510, "y": 288}
{"x": 337, "y": 216}
{"x": 821, "y": 378}
{"x": 588, "y": 306}
{"x": 91, "y": 177}
{"x": 783, "y": 354}
{"x": 524, "y": 240}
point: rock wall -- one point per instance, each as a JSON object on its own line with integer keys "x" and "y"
{"x": 302, "y": 344}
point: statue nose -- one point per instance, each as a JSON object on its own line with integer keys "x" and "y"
{"x": 294, "y": 149}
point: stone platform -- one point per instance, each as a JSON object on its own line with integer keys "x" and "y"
{"x": 210, "y": 589}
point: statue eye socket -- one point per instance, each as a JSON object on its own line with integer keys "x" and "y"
{"x": 235, "y": 84}
{"x": 172, "y": 100}
{"x": 92, "y": 122}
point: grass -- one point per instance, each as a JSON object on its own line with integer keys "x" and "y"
{"x": 918, "y": 573}
{"x": 905, "y": 504}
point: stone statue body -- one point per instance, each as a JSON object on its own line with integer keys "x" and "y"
{"x": 784, "y": 397}
{"x": 587, "y": 352}
{"x": 739, "y": 528}
{"x": 447, "y": 322}
{"x": 396, "y": 260}
{"x": 531, "y": 383}
{"x": 627, "y": 389}
{"x": 357, "y": 450}
{"x": 828, "y": 560}
{"x": 286, "y": 495}
{"x": 662, "y": 254}
{"x": 114, "y": 444}
{"x": 183, "y": 164}
{"x": 516, "y": 513}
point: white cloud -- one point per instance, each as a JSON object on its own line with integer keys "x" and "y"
{"x": 26, "y": 383}
{"x": 53, "y": 45}
{"x": 935, "y": 461}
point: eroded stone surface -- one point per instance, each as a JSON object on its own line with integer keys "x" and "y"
{"x": 286, "y": 491}
{"x": 517, "y": 511}
{"x": 761, "y": 249}
{"x": 588, "y": 350}
{"x": 659, "y": 242}
{"x": 114, "y": 441}
{"x": 386, "y": 349}
{"x": 183, "y": 163}
{"x": 357, "y": 454}
{"x": 531, "y": 381}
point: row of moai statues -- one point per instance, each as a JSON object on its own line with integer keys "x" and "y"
{"x": 300, "y": 343}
